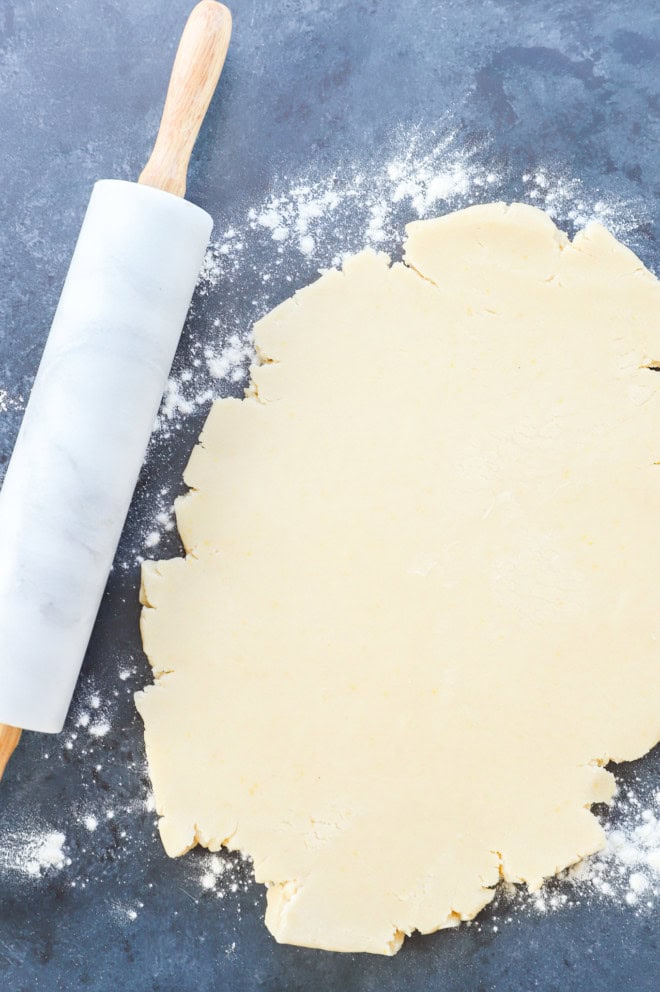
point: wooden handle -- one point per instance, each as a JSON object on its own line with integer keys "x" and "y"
{"x": 9, "y": 738}
{"x": 197, "y": 67}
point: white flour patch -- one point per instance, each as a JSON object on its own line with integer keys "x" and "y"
{"x": 34, "y": 854}
{"x": 221, "y": 875}
{"x": 8, "y": 402}
{"x": 126, "y": 913}
{"x": 92, "y": 719}
{"x": 100, "y": 728}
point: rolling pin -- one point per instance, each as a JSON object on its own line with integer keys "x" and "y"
{"x": 95, "y": 399}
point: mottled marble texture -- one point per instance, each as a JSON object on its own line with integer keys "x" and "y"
{"x": 573, "y": 82}
{"x": 82, "y": 441}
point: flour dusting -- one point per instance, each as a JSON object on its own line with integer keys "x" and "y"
{"x": 224, "y": 874}
{"x": 8, "y": 402}
{"x": 34, "y": 854}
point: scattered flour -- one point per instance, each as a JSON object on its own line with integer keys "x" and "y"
{"x": 93, "y": 718}
{"x": 126, "y": 913}
{"x": 34, "y": 854}
{"x": 8, "y": 402}
{"x": 100, "y": 728}
{"x": 222, "y": 875}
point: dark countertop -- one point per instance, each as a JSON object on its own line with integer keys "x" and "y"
{"x": 545, "y": 82}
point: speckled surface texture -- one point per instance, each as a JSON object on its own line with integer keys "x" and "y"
{"x": 81, "y": 88}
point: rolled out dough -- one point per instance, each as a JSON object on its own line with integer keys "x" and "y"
{"x": 420, "y": 605}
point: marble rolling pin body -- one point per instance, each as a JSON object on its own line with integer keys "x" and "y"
{"x": 95, "y": 399}
{"x": 80, "y": 448}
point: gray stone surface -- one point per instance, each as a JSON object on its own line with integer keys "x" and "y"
{"x": 81, "y": 88}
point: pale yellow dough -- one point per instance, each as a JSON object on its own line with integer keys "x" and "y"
{"x": 420, "y": 608}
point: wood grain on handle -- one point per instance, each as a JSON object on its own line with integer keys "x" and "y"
{"x": 9, "y": 738}
{"x": 197, "y": 67}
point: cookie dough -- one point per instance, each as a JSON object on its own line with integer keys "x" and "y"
{"x": 420, "y": 608}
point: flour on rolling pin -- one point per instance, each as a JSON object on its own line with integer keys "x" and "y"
{"x": 78, "y": 454}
